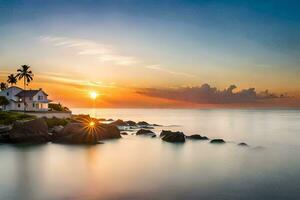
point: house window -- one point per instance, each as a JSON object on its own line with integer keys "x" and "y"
{"x": 40, "y": 97}
{"x": 19, "y": 105}
{"x": 33, "y": 105}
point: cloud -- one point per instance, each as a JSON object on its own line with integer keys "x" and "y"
{"x": 210, "y": 95}
{"x": 60, "y": 78}
{"x": 102, "y": 52}
{"x": 159, "y": 68}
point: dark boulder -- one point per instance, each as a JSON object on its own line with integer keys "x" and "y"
{"x": 56, "y": 129}
{"x": 164, "y": 132}
{"x": 119, "y": 122}
{"x": 124, "y": 133}
{"x": 80, "y": 118}
{"x": 143, "y": 123}
{"x": 153, "y": 136}
{"x": 131, "y": 123}
{"x": 81, "y": 133}
{"x": 34, "y": 131}
{"x": 145, "y": 132}
{"x": 217, "y": 141}
{"x": 4, "y": 138}
{"x": 4, "y": 133}
{"x": 4, "y": 129}
{"x": 243, "y": 144}
{"x": 174, "y": 137}
{"x": 108, "y": 131}
{"x": 197, "y": 137}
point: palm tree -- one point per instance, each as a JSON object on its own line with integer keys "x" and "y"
{"x": 12, "y": 79}
{"x": 3, "y": 86}
{"x": 27, "y": 76}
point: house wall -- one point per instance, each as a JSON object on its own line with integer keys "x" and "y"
{"x": 36, "y": 106}
{"x": 40, "y": 96}
{"x": 41, "y": 102}
{"x": 50, "y": 114}
{"x": 38, "y": 102}
{"x": 14, "y": 106}
{"x": 10, "y": 93}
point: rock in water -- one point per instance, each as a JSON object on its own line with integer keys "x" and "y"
{"x": 81, "y": 133}
{"x": 131, "y": 123}
{"x": 243, "y": 144}
{"x": 144, "y": 132}
{"x": 174, "y": 137}
{"x": 197, "y": 137}
{"x": 107, "y": 131}
{"x": 124, "y": 133}
{"x": 80, "y": 118}
{"x": 143, "y": 123}
{"x": 119, "y": 122}
{"x": 34, "y": 131}
{"x": 217, "y": 141}
{"x": 164, "y": 132}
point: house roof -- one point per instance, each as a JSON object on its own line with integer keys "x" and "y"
{"x": 29, "y": 93}
{"x": 14, "y": 87}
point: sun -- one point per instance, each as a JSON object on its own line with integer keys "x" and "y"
{"x": 93, "y": 95}
{"x": 92, "y": 124}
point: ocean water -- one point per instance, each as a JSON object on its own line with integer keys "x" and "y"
{"x": 139, "y": 167}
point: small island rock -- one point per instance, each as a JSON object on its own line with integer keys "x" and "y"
{"x": 197, "y": 137}
{"x": 217, "y": 141}
{"x": 131, "y": 123}
{"x": 142, "y": 123}
{"x": 174, "y": 137}
{"x": 243, "y": 144}
{"x": 119, "y": 122}
{"x": 81, "y": 133}
{"x": 145, "y": 132}
{"x": 33, "y": 131}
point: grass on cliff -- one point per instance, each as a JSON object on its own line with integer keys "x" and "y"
{"x": 7, "y": 118}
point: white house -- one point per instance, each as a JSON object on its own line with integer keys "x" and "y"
{"x": 36, "y": 100}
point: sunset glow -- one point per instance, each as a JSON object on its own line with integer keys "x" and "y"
{"x": 168, "y": 46}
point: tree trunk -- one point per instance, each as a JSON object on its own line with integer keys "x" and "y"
{"x": 24, "y": 95}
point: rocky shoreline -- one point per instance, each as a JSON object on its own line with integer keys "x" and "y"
{"x": 83, "y": 129}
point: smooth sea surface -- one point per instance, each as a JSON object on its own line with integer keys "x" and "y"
{"x": 139, "y": 167}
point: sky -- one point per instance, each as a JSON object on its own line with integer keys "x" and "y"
{"x": 168, "y": 53}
